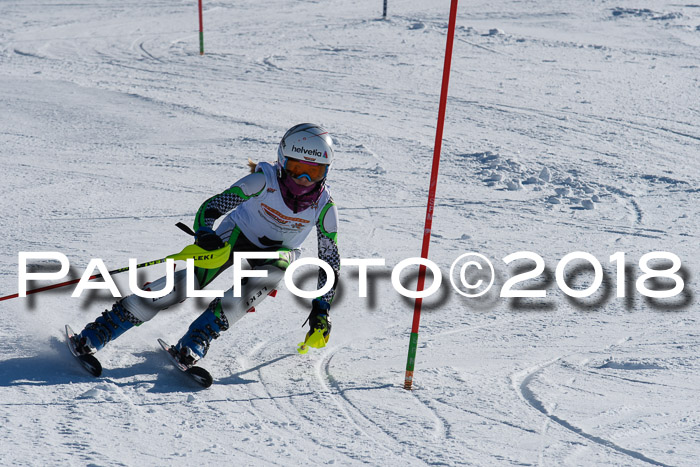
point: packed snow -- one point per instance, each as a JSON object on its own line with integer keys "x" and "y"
{"x": 570, "y": 126}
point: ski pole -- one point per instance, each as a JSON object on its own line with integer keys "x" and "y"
{"x": 202, "y": 258}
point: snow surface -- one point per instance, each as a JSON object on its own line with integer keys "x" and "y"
{"x": 571, "y": 126}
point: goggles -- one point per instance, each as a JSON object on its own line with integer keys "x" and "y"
{"x": 311, "y": 171}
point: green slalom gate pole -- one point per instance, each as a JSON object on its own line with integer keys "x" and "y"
{"x": 201, "y": 30}
{"x": 413, "y": 343}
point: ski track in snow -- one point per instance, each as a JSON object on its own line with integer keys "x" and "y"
{"x": 522, "y": 383}
{"x": 531, "y": 398}
{"x": 352, "y": 413}
{"x": 569, "y": 127}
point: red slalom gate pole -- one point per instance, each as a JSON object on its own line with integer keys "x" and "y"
{"x": 201, "y": 30}
{"x": 413, "y": 343}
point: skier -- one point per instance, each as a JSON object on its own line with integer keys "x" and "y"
{"x": 272, "y": 209}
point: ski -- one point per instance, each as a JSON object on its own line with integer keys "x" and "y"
{"x": 197, "y": 373}
{"x": 89, "y": 362}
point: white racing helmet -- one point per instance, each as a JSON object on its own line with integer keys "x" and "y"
{"x": 310, "y": 144}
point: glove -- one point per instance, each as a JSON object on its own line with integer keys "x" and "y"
{"x": 206, "y": 238}
{"x": 319, "y": 318}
